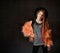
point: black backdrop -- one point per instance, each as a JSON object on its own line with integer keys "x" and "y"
{"x": 13, "y": 15}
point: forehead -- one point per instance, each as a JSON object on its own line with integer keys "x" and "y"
{"x": 40, "y": 12}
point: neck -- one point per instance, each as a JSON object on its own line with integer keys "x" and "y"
{"x": 38, "y": 21}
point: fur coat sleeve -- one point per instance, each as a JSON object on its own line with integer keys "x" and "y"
{"x": 27, "y": 29}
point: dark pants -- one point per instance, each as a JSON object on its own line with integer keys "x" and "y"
{"x": 36, "y": 48}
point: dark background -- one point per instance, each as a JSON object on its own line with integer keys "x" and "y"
{"x": 13, "y": 15}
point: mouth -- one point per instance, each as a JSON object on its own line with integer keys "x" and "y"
{"x": 41, "y": 19}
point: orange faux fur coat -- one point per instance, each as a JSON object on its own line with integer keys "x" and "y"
{"x": 46, "y": 32}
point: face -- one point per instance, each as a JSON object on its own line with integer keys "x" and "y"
{"x": 40, "y": 15}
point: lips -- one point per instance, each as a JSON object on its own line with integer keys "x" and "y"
{"x": 41, "y": 19}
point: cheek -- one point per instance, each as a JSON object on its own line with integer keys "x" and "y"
{"x": 38, "y": 15}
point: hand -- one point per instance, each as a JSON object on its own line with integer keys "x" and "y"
{"x": 30, "y": 39}
{"x": 49, "y": 48}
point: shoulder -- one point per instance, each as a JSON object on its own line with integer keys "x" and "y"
{"x": 28, "y": 22}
